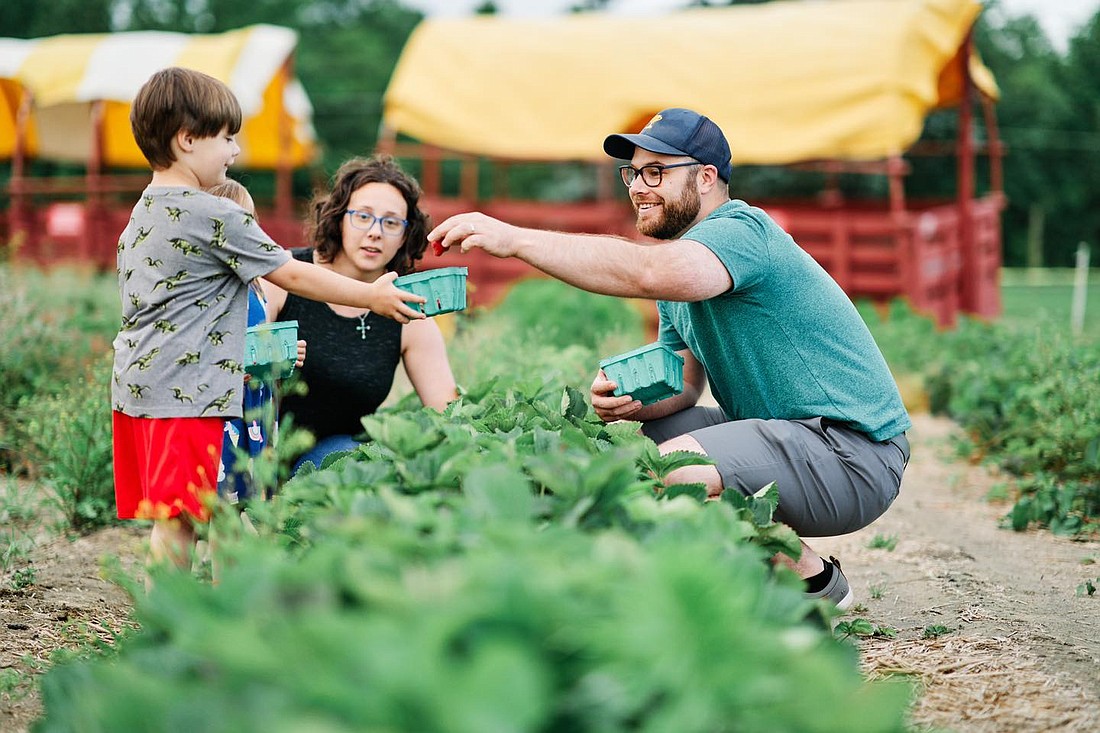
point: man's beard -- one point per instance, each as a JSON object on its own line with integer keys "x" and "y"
{"x": 677, "y": 215}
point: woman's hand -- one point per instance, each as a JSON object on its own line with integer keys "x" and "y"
{"x": 301, "y": 354}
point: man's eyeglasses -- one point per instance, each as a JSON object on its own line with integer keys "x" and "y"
{"x": 390, "y": 225}
{"x": 651, "y": 174}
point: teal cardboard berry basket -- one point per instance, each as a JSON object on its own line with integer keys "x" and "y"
{"x": 649, "y": 373}
{"x": 444, "y": 288}
{"x": 270, "y": 349}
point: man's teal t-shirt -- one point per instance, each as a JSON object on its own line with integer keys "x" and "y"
{"x": 785, "y": 342}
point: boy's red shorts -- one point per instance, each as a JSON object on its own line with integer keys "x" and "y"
{"x": 166, "y": 465}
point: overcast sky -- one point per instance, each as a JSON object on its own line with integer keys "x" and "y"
{"x": 1059, "y": 18}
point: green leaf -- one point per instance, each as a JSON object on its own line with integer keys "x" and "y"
{"x": 776, "y": 538}
{"x": 623, "y": 432}
{"x": 576, "y": 407}
{"x": 763, "y": 504}
{"x": 546, "y": 442}
{"x": 697, "y": 491}
{"x": 1021, "y": 515}
{"x": 759, "y": 508}
{"x": 498, "y": 492}
{"x": 662, "y": 465}
{"x": 404, "y": 434}
{"x": 559, "y": 474}
{"x": 855, "y": 627}
{"x": 440, "y": 467}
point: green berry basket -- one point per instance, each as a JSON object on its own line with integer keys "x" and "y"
{"x": 443, "y": 287}
{"x": 270, "y": 349}
{"x": 648, "y": 374}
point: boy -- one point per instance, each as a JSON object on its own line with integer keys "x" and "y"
{"x": 184, "y": 264}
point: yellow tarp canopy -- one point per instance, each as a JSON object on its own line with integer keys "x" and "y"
{"x": 66, "y": 74}
{"x": 787, "y": 81}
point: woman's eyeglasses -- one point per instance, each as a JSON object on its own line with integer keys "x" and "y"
{"x": 390, "y": 225}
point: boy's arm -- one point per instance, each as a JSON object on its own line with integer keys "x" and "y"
{"x": 317, "y": 283}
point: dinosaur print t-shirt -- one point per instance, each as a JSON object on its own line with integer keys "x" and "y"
{"x": 184, "y": 264}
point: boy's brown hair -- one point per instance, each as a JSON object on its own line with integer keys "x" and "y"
{"x": 176, "y": 99}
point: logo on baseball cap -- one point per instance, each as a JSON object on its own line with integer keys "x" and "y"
{"x": 676, "y": 131}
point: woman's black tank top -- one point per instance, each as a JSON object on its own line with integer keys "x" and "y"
{"x": 349, "y": 366}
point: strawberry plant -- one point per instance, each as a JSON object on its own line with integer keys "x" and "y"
{"x": 512, "y": 563}
{"x": 67, "y": 437}
{"x": 55, "y": 324}
{"x": 1028, "y": 400}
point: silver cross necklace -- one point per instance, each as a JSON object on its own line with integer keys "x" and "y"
{"x": 363, "y": 326}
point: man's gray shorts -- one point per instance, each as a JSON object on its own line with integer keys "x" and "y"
{"x": 831, "y": 479}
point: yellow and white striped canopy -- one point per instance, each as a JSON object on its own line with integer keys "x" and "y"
{"x": 66, "y": 74}
{"x": 786, "y": 81}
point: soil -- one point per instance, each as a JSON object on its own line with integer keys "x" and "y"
{"x": 1023, "y": 653}
{"x": 1021, "y": 650}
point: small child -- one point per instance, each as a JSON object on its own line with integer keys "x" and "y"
{"x": 251, "y": 433}
{"x": 184, "y": 263}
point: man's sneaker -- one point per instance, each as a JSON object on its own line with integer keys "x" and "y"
{"x": 837, "y": 591}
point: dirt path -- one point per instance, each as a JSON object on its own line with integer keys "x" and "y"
{"x": 68, "y": 606}
{"x": 1023, "y": 653}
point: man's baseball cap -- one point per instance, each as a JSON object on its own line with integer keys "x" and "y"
{"x": 677, "y": 131}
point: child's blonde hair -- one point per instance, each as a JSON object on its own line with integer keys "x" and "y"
{"x": 234, "y": 191}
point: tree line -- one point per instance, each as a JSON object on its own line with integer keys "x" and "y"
{"x": 1048, "y": 112}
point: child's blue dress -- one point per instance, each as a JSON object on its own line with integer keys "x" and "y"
{"x": 250, "y": 433}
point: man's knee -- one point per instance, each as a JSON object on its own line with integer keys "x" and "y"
{"x": 707, "y": 474}
{"x": 681, "y": 423}
{"x": 681, "y": 442}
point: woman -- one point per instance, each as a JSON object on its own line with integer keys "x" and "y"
{"x": 367, "y": 224}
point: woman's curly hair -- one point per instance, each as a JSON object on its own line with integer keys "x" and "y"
{"x": 328, "y": 210}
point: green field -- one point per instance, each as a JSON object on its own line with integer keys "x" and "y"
{"x": 1037, "y": 297}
